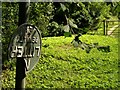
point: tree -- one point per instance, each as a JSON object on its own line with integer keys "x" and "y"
{"x": 9, "y": 25}
{"x": 80, "y": 16}
{"x": 55, "y": 19}
{"x": 114, "y": 8}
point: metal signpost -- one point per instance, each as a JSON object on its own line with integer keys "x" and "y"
{"x": 26, "y": 47}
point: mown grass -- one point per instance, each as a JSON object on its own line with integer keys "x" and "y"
{"x": 63, "y": 66}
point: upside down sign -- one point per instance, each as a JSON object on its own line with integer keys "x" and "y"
{"x": 26, "y": 43}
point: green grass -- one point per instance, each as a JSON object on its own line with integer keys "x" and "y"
{"x": 63, "y": 66}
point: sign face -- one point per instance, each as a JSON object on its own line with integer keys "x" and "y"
{"x": 26, "y": 43}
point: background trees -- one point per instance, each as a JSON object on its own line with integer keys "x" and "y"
{"x": 9, "y": 25}
{"x": 56, "y": 19}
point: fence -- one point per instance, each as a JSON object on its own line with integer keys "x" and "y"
{"x": 111, "y": 27}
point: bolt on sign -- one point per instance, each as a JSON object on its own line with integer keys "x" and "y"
{"x": 26, "y": 43}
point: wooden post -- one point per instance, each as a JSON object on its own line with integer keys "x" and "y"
{"x": 104, "y": 27}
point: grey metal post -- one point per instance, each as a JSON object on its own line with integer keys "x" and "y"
{"x": 20, "y": 64}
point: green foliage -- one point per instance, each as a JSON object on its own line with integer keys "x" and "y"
{"x": 40, "y": 15}
{"x": 67, "y": 34}
{"x": 72, "y": 24}
{"x": 9, "y": 25}
{"x": 81, "y": 15}
{"x": 63, "y": 66}
{"x": 115, "y": 8}
{"x": 55, "y": 19}
{"x": 66, "y": 28}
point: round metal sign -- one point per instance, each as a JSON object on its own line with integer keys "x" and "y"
{"x": 26, "y": 43}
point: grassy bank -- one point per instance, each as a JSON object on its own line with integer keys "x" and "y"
{"x": 63, "y": 66}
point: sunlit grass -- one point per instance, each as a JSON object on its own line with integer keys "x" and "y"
{"x": 61, "y": 65}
